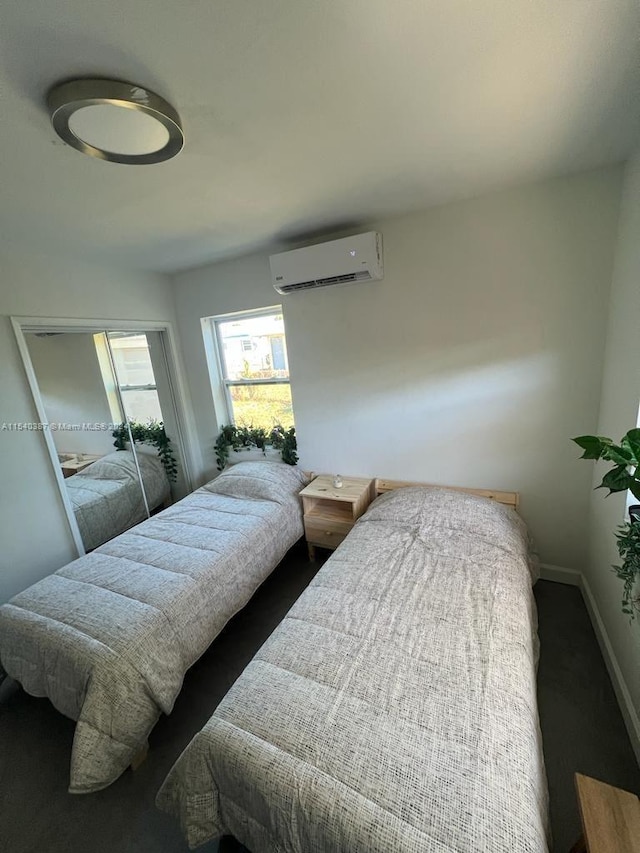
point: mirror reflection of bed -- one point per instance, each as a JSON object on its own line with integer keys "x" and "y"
{"x": 89, "y": 383}
{"x": 107, "y": 498}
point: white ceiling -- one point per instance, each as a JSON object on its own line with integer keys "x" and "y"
{"x": 303, "y": 116}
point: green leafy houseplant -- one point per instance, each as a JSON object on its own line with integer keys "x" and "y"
{"x": 625, "y": 457}
{"x": 236, "y": 438}
{"x": 152, "y": 433}
{"x": 622, "y": 477}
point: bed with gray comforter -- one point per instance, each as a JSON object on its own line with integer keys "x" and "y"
{"x": 109, "y": 637}
{"x": 394, "y": 708}
{"x": 107, "y": 499}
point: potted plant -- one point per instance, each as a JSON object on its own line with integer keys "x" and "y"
{"x": 154, "y": 434}
{"x": 238, "y": 438}
{"x": 622, "y": 477}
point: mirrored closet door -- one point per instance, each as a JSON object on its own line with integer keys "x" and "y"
{"x": 110, "y": 423}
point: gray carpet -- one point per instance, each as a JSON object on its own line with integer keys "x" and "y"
{"x": 581, "y": 724}
{"x": 582, "y": 727}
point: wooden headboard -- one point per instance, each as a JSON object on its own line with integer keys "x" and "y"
{"x": 511, "y": 499}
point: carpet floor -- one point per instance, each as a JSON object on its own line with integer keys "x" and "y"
{"x": 581, "y": 724}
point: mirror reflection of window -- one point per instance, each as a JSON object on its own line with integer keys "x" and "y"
{"x": 134, "y": 370}
{"x": 144, "y": 387}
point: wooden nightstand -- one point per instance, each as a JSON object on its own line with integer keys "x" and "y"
{"x": 610, "y": 818}
{"x": 78, "y": 462}
{"x": 330, "y": 513}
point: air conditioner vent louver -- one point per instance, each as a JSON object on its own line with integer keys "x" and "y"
{"x": 351, "y": 259}
{"x": 323, "y": 282}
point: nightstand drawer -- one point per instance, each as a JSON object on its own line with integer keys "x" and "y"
{"x": 327, "y": 535}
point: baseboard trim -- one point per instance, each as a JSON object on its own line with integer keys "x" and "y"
{"x": 560, "y": 574}
{"x": 629, "y": 713}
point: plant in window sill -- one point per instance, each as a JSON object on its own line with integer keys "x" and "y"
{"x": 237, "y": 438}
{"x": 154, "y": 434}
{"x": 622, "y": 477}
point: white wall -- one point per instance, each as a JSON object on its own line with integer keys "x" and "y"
{"x": 472, "y": 363}
{"x": 72, "y": 389}
{"x": 618, "y": 413}
{"x": 34, "y": 531}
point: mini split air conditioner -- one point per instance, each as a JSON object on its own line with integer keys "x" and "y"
{"x": 357, "y": 258}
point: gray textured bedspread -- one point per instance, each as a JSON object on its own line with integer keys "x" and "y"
{"x": 394, "y": 709}
{"x": 107, "y": 498}
{"x": 109, "y": 637}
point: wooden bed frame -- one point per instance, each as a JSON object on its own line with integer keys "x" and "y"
{"x": 381, "y": 485}
{"x": 510, "y": 499}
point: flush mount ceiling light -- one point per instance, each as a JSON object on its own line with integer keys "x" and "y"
{"x": 115, "y": 121}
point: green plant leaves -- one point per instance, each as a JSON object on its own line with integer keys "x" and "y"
{"x": 632, "y": 441}
{"x": 628, "y": 542}
{"x": 235, "y": 437}
{"x": 617, "y": 480}
{"x": 152, "y": 433}
{"x": 620, "y": 455}
{"x": 623, "y": 476}
{"x": 625, "y": 457}
{"x": 592, "y": 445}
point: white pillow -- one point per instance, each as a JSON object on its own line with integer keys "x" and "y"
{"x": 266, "y": 481}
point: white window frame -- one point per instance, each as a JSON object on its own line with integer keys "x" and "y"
{"x": 226, "y": 383}
{"x": 109, "y": 373}
{"x": 148, "y": 387}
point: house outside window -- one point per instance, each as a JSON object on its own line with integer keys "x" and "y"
{"x": 254, "y": 367}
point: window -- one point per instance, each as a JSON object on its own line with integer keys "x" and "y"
{"x": 252, "y": 352}
{"x": 136, "y": 379}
